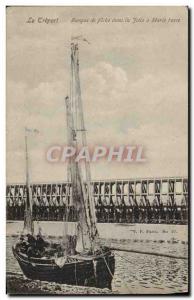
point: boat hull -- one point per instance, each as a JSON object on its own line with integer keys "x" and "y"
{"x": 93, "y": 271}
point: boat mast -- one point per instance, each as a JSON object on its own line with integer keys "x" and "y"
{"x": 81, "y": 188}
{"x": 28, "y": 221}
{"x": 82, "y": 130}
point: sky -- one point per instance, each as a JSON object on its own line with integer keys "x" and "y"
{"x": 134, "y": 84}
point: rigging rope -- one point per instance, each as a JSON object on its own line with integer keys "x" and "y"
{"x": 148, "y": 253}
{"x": 124, "y": 258}
{"x": 108, "y": 267}
{"x": 112, "y": 274}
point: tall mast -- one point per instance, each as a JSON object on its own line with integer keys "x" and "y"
{"x": 28, "y": 221}
{"x": 81, "y": 187}
{"x": 84, "y": 143}
{"x": 27, "y": 160}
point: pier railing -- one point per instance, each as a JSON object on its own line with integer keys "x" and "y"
{"x": 148, "y": 200}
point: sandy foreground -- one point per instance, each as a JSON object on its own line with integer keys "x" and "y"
{"x": 18, "y": 285}
{"x": 149, "y": 237}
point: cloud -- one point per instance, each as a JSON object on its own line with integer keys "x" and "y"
{"x": 134, "y": 90}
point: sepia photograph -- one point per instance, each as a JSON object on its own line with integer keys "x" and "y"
{"x": 97, "y": 150}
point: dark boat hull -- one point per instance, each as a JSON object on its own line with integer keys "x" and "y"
{"x": 95, "y": 271}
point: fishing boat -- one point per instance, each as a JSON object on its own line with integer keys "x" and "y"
{"x": 79, "y": 259}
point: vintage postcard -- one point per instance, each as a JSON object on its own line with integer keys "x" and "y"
{"x": 97, "y": 150}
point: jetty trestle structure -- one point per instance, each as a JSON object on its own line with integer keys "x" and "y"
{"x": 148, "y": 200}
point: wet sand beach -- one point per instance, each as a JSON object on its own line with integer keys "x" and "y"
{"x": 134, "y": 273}
{"x": 18, "y": 284}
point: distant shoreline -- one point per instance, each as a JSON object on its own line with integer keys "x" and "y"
{"x": 170, "y": 233}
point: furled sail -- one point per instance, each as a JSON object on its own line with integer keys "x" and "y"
{"x": 79, "y": 173}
